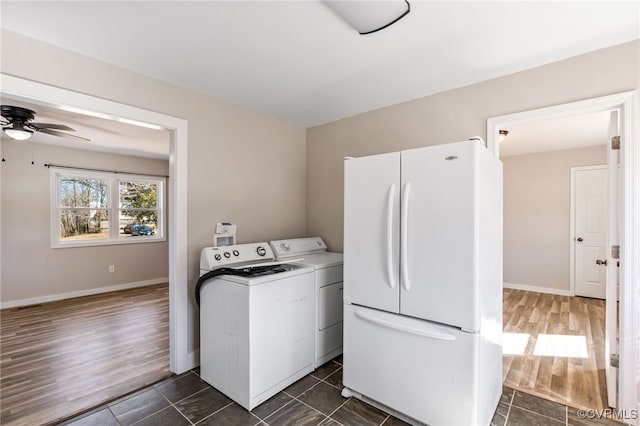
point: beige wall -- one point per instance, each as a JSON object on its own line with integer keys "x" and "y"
{"x": 30, "y": 267}
{"x": 537, "y": 215}
{"x": 451, "y": 116}
{"x": 243, "y": 166}
{"x": 242, "y": 162}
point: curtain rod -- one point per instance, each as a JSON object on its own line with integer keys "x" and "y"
{"x": 49, "y": 165}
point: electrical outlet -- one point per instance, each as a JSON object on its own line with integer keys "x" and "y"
{"x": 112, "y": 268}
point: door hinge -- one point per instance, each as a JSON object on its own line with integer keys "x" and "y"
{"x": 615, "y": 360}
{"x": 615, "y": 252}
{"x": 615, "y": 142}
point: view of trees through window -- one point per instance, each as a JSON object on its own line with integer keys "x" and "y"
{"x": 84, "y": 203}
{"x": 138, "y": 208}
{"x": 89, "y": 206}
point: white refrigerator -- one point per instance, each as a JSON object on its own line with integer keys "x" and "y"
{"x": 423, "y": 283}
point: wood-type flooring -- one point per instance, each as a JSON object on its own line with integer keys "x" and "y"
{"x": 63, "y": 357}
{"x": 576, "y": 381}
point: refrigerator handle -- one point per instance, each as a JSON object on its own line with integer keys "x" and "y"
{"x": 390, "y": 199}
{"x": 404, "y": 275}
{"x": 405, "y": 328}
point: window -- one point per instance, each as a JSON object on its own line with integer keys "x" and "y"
{"x": 95, "y": 208}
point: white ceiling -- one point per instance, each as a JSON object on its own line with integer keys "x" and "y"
{"x": 297, "y": 61}
{"x": 106, "y": 135}
{"x": 557, "y": 134}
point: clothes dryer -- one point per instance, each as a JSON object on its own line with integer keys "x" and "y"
{"x": 328, "y": 290}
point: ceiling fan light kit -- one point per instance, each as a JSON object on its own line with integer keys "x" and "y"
{"x": 17, "y": 125}
{"x": 18, "y": 132}
{"x": 369, "y": 16}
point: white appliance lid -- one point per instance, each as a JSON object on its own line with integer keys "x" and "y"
{"x": 297, "y": 247}
{"x": 323, "y": 260}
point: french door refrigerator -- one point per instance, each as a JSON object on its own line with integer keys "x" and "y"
{"x": 423, "y": 282}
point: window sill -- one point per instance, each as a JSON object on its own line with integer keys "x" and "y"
{"x": 107, "y": 242}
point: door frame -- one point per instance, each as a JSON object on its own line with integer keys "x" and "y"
{"x": 626, "y": 103}
{"x": 572, "y": 226}
{"x": 180, "y": 359}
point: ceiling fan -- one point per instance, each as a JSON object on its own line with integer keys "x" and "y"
{"x": 17, "y": 124}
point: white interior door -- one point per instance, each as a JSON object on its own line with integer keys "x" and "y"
{"x": 612, "y": 277}
{"x": 591, "y": 228}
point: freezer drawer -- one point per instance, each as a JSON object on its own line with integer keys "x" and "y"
{"x": 426, "y": 371}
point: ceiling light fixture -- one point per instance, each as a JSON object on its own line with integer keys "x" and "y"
{"x": 369, "y": 16}
{"x": 502, "y": 134}
{"x": 17, "y": 131}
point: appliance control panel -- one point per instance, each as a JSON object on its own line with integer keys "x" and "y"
{"x": 297, "y": 247}
{"x": 235, "y": 255}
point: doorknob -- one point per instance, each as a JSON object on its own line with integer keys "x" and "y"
{"x": 601, "y": 262}
{"x": 580, "y": 239}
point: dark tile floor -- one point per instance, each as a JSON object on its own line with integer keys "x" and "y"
{"x": 313, "y": 400}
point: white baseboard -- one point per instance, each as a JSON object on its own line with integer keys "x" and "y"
{"x": 80, "y": 293}
{"x": 538, "y": 289}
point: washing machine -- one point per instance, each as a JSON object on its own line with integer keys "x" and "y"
{"x": 256, "y": 321}
{"x": 327, "y": 268}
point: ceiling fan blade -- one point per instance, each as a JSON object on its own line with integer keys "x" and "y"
{"x": 52, "y": 126}
{"x": 63, "y": 135}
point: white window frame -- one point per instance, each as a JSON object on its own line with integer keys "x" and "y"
{"x": 113, "y": 180}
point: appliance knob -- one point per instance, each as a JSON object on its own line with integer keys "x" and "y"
{"x": 236, "y": 253}
{"x": 261, "y": 251}
{"x": 285, "y": 246}
{"x": 227, "y": 254}
{"x": 217, "y": 257}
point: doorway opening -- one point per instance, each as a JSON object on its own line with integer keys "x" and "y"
{"x": 181, "y": 358}
{"x": 560, "y": 337}
{"x": 623, "y": 378}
